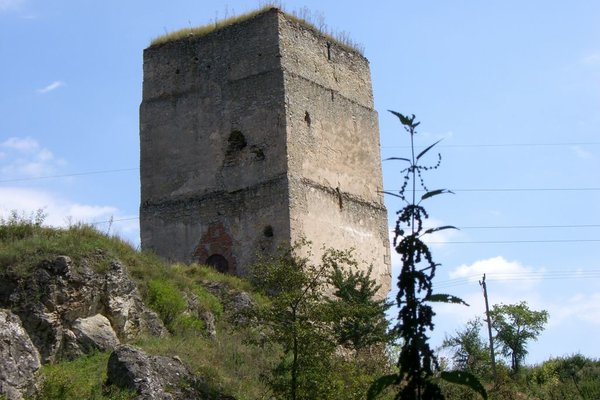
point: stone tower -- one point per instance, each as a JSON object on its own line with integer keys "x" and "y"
{"x": 256, "y": 134}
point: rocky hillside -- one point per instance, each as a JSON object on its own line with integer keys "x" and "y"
{"x": 84, "y": 315}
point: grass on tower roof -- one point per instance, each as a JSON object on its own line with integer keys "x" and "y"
{"x": 341, "y": 38}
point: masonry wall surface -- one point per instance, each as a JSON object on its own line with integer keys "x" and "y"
{"x": 310, "y": 164}
{"x": 213, "y": 156}
{"x": 334, "y": 164}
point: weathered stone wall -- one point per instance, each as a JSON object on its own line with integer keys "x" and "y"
{"x": 213, "y": 145}
{"x": 260, "y": 133}
{"x": 333, "y": 148}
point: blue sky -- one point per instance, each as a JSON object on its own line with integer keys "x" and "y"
{"x": 512, "y": 87}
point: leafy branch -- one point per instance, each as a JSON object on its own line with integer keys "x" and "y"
{"x": 417, "y": 363}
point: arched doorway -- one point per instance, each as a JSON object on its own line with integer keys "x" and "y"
{"x": 218, "y": 262}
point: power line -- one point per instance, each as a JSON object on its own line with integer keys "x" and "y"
{"x": 528, "y": 226}
{"x": 113, "y": 220}
{"x": 105, "y": 171}
{"x": 518, "y": 241}
{"x": 524, "y": 227}
{"x": 525, "y": 276}
{"x": 512, "y": 190}
{"x": 505, "y": 145}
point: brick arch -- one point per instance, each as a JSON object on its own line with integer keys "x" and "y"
{"x": 215, "y": 243}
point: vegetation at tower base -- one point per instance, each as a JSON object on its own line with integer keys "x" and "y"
{"x": 417, "y": 363}
{"x": 332, "y": 345}
{"x": 235, "y": 359}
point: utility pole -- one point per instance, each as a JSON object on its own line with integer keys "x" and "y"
{"x": 489, "y": 324}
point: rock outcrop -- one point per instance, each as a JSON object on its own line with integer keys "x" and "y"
{"x": 62, "y": 310}
{"x": 20, "y": 359}
{"x": 151, "y": 377}
{"x": 69, "y": 310}
{"x": 89, "y": 334}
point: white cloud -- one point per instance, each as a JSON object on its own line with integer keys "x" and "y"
{"x": 59, "y": 210}
{"x": 10, "y": 4}
{"x": 26, "y": 158}
{"x": 581, "y": 306}
{"x": 581, "y": 153}
{"x": 499, "y": 269}
{"x": 53, "y": 86}
{"x": 26, "y": 144}
{"x": 62, "y": 212}
{"x": 592, "y": 59}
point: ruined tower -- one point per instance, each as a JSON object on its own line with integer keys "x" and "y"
{"x": 256, "y": 134}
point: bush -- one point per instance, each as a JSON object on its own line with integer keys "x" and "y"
{"x": 186, "y": 324}
{"x": 573, "y": 377}
{"x": 209, "y": 301}
{"x": 166, "y": 299}
{"x": 80, "y": 379}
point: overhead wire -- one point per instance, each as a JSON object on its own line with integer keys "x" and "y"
{"x": 515, "y": 241}
{"x": 522, "y": 276}
{"x": 505, "y": 145}
{"x": 105, "y": 171}
{"x": 34, "y": 178}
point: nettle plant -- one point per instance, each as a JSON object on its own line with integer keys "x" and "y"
{"x": 418, "y": 369}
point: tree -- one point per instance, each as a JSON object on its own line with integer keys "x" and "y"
{"x": 470, "y": 352}
{"x": 515, "y": 325}
{"x": 295, "y": 320}
{"x": 310, "y": 325}
{"x": 359, "y": 317}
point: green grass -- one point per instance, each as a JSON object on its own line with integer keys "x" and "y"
{"x": 226, "y": 364}
{"x": 80, "y": 379}
{"x": 209, "y": 301}
{"x": 206, "y": 29}
{"x": 340, "y": 38}
{"x": 24, "y": 244}
{"x": 167, "y": 300}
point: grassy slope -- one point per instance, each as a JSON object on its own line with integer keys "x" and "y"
{"x": 227, "y": 364}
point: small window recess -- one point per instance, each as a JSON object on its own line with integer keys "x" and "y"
{"x": 329, "y": 51}
{"x": 307, "y": 118}
{"x": 268, "y": 231}
{"x": 236, "y": 141}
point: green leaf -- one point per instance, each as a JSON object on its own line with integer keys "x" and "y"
{"x": 380, "y": 385}
{"x": 427, "y": 149}
{"x": 439, "y": 228}
{"x": 465, "y": 379}
{"x": 435, "y": 193}
{"x": 445, "y": 298}
{"x": 404, "y": 120}
{"x": 392, "y": 194}
{"x": 397, "y": 158}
